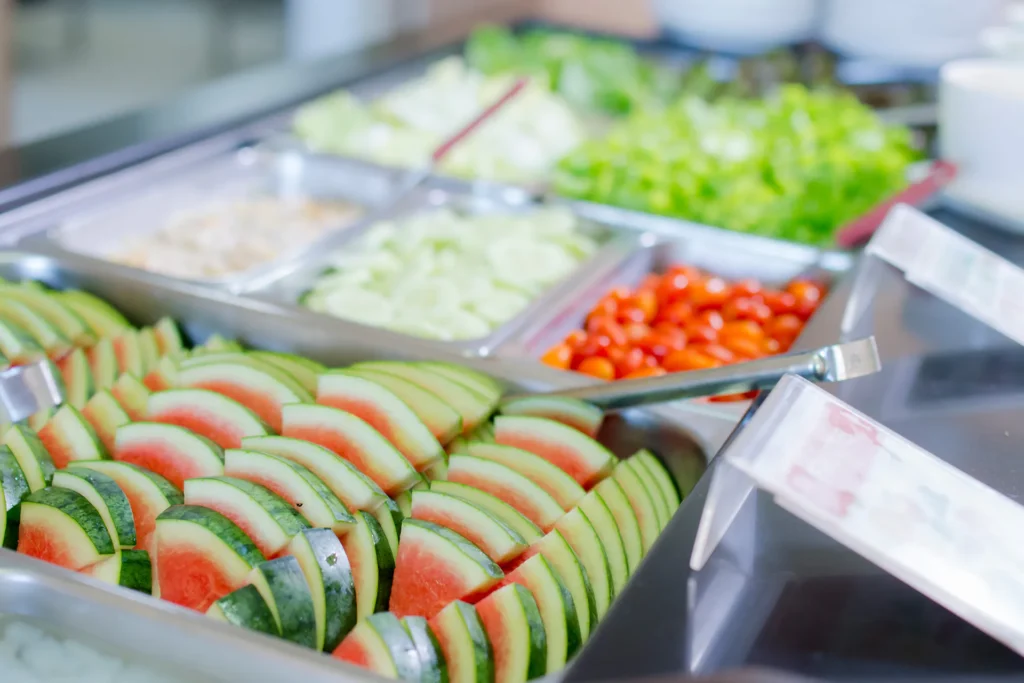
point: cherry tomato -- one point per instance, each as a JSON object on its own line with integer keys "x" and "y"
{"x": 631, "y": 314}
{"x": 616, "y": 354}
{"x": 673, "y": 286}
{"x": 711, "y": 293}
{"x": 689, "y": 359}
{"x": 747, "y": 288}
{"x": 646, "y": 301}
{"x": 805, "y": 290}
{"x": 691, "y": 273}
{"x": 805, "y": 308}
{"x": 700, "y": 332}
{"x": 731, "y": 398}
{"x": 770, "y": 347}
{"x": 661, "y": 343}
{"x": 594, "y": 346}
{"x": 558, "y": 356}
{"x": 607, "y": 327}
{"x": 576, "y": 339}
{"x": 784, "y": 328}
{"x": 780, "y": 302}
{"x": 640, "y": 373}
{"x": 631, "y": 361}
{"x": 650, "y": 283}
{"x": 720, "y": 353}
{"x": 742, "y": 328}
{"x": 744, "y": 347}
{"x": 620, "y": 294}
{"x": 635, "y": 331}
{"x": 605, "y": 307}
{"x": 712, "y": 319}
{"x": 738, "y": 308}
{"x": 601, "y": 368}
{"x": 678, "y": 313}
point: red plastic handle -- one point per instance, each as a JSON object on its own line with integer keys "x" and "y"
{"x": 860, "y": 230}
{"x": 455, "y": 139}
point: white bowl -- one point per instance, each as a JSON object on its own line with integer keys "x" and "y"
{"x": 740, "y": 26}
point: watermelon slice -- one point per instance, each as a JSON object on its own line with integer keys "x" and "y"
{"x": 168, "y": 337}
{"x": 662, "y": 480}
{"x": 355, "y": 489}
{"x": 42, "y": 302}
{"x": 485, "y": 385}
{"x": 16, "y": 344}
{"x": 283, "y": 586}
{"x": 103, "y": 363}
{"x": 294, "y": 483}
{"x": 564, "y": 560}
{"x": 642, "y": 501}
{"x": 472, "y": 406}
{"x": 101, "y": 317}
{"x": 354, "y": 440}
{"x": 105, "y": 415}
{"x": 372, "y": 562}
{"x": 201, "y": 556}
{"x": 380, "y": 643}
{"x": 498, "y": 541}
{"x": 148, "y": 349}
{"x": 132, "y": 394}
{"x": 443, "y": 421}
{"x": 13, "y": 489}
{"x": 383, "y": 411}
{"x": 498, "y": 508}
{"x": 390, "y": 518}
{"x": 325, "y": 564}
{"x": 32, "y": 456}
{"x": 216, "y": 343}
{"x": 557, "y": 609}
{"x": 63, "y": 528}
{"x": 435, "y": 566}
{"x": 515, "y": 628}
{"x": 245, "y": 607}
{"x": 163, "y": 375}
{"x": 625, "y": 519}
{"x": 508, "y": 485}
{"x": 582, "y": 416}
{"x": 304, "y": 371}
{"x": 579, "y": 532}
{"x": 563, "y": 488}
{"x": 172, "y": 452}
{"x": 217, "y": 417}
{"x": 129, "y": 353}
{"x": 587, "y": 461}
{"x": 600, "y": 516}
{"x": 262, "y": 390}
{"x": 268, "y": 520}
{"x": 68, "y": 437}
{"x": 148, "y": 494}
{"x": 433, "y": 668}
{"x": 661, "y": 507}
{"x": 107, "y": 497}
{"x": 38, "y": 328}
{"x": 463, "y": 640}
{"x": 77, "y": 375}
{"x": 127, "y": 568}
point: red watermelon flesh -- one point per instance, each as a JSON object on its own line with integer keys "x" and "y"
{"x": 497, "y": 633}
{"x": 220, "y": 431}
{"x": 156, "y": 380}
{"x": 41, "y": 544}
{"x": 266, "y": 407}
{"x": 370, "y": 414}
{"x": 163, "y": 459}
{"x": 353, "y": 651}
{"x": 507, "y": 494}
{"x": 59, "y": 450}
{"x": 576, "y": 454}
{"x": 191, "y": 579}
{"x": 145, "y": 508}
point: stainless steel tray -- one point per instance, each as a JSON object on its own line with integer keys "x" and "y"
{"x": 668, "y": 242}
{"x": 181, "y": 644}
{"x": 285, "y": 285}
{"x": 139, "y": 203}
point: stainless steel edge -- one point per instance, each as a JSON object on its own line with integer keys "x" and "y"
{"x": 150, "y": 631}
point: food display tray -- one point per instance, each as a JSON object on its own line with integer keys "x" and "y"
{"x": 110, "y": 211}
{"x": 666, "y": 242}
{"x": 285, "y": 285}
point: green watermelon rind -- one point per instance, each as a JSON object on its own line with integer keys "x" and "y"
{"x": 241, "y": 364}
{"x": 560, "y": 555}
{"x": 13, "y": 489}
{"x": 444, "y": 422}
{"x": 211, "y": 520}
{"x": 399, "y": 644}
{"x": 483, "y": 384}
{"x": 367, "y": 548}
{"x": 594, "y": 507}
{"x": 517, "y": 603}
{"x": 580, "y": 415}
{"x": 557, "y": 610}
{"x": 578, "y": 530}
{"x": 666, "y": 484}
{"x": 625, "y": 519}
{"x": 48, "y": 306}
{"x": 460, "y": 620}
{"x": 642, "y": 501}
{"x": 433, "y": 667}
{"x": 390, "y": 517}
{"x": 283, "y": 586}
{"x": 76, "y": 512}
{"x": 498, "y": 540}
{"x": 329, "y": 575}
{"x": 128, "y": 568}
{"x": 103, "y": 318}
{"x": 78, "y": 380}
{"x": 302, "y": 370}
{"x": 246, "y": 608}
{"x": 106, "y": 496}
{"x": 590, "y": 461}
{"x": 563, "y": 488}
{"x": 497, "y": 508}
{"x": 105, "y": 415}
{"x": 661, "y": 505}
{"x": 75, "y": 437}
{"x": 17, "y": 345}
{"x": 533, "y": 501}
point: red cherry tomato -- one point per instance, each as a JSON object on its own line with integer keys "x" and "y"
{"x": 635, "y": 332}
{"x": 678, "y": 313}
{"x": 737, "y": 308}
{"x": 631, "y": 361}
{"x": 720, "y": 353}
{"x": 747, "y": 288}
{"x": 780, "y": 303}
{"x": 558, "y": 356}
{"x": 661, "y": 343}
{"x": 673, "y": 287}
{"x": 605, "y": 307}
{"x": 712, "y": 293}
{"x": 646, "y": 301}
{"x": 784, "y": 328}
{"x": 699, "y": 332}
{"x": 689, "y": 359}
{"x": 745, "y": 348}
{"x": 805, "y": 308}
{"x": 607, "y": 327}
{"x": 650, "y": 283}
{"x": 742, "y": 328}
{"x": 712, "y": 319}
{"x": 576, "y": 339}
{"x": 640, "y": 373}
{"x": 601, "y": 368}
{"x": 770, "y": 346}
{"x": 805, "y": 290}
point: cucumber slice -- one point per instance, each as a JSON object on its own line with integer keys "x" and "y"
{"x": 462, "y": 638}
{"x": 440, "y": 418}
{"x": 563, "y": 488}
{"x": 77, "y": 375}
{"x": 600, "y": 516}
{"x": 306, "y": 372}
{"x": 666, "y": 484}
{"x": 661, "y": 507}
{"x": 380, "y": 643}
{"x": 557, "y": 609}
{"x": 579, "y": 532}
{"x": 132, "y": 394}
{"x": 283, "y": 587}
{"x": 108, "y": 499}
{"x": 514, "y": 626}
{"x": 264, "y": 516}
{"x": 433, "y": 668}
{"x": 245, "y": 607}
{"x": 642, "y": 502}
{"x": 103, "y": 363}
{"x": 390, "y": 518}
{"x": 13, "y": 489}
{"x": 127, "y": 568}
{"x": 472, "y": 406}
{"x": 372, "y": 562}
{"x": 355, "y": 489}
{"x": 495, "y": 539}
{"x": 101, "y": 317}
{"x": 498, "y": 508}
{"x": 625, "y": 519}
{"x": 105, "y": 415}
{"x": 48, "y": 337}
{"x": 17, "y": 345}
{"x": 309, "y": 496}
{"x": 62, "y": 527}
{"x": 68, "y": 437}
{"x": 326, "y": 567}
{"x": 35, "y": 461}
{"x": 48, "y": 306}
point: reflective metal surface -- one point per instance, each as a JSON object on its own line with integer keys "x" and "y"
{"x": 27, "y": 389}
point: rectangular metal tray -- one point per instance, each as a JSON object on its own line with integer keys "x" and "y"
{"x": 181, "y": 644}
{"x": 667, "y": 242}
{"x": 138, "y": 202}
{"x": 285, "y": 285}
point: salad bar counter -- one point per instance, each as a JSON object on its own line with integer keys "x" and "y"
{"x": 305, "y": 434}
